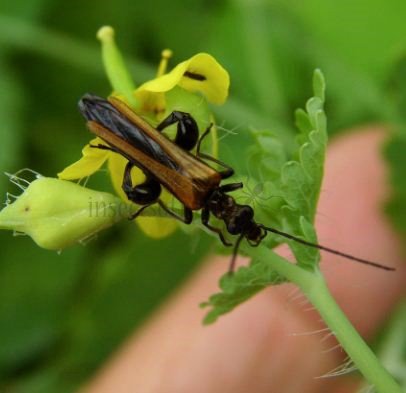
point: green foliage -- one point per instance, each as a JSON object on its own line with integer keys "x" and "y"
{"x": 11, "y": 133}
{"x": 395, "y": 154}
{"x": 298, "y": 185}
{"x": 239, "y": 287}
{"x": 301, "y": 179}
{"x": 49, "y": 57}
{"x": 33, "y": 304}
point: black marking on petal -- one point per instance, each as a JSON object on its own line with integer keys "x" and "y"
{"x": 192, "y": 75}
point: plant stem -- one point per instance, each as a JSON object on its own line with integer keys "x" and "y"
{"x": 366, "y": 361}
{"x": 314, "y": 287}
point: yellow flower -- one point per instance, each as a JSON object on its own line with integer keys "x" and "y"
{"x": 201, "y": 73}
{"x": 188, "y": 88}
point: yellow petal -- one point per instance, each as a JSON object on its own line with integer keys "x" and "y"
{"x": 155, "y": 227}
{"x": 200, "y": 73}
{"x": 92, "y": 159}
{"x": 150, "y": 103}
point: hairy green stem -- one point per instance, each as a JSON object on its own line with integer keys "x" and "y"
{"x": 314, "y": 287}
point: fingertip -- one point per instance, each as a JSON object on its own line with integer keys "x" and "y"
{"x": 355, "y": 189}
{"x": 255, "y": 346}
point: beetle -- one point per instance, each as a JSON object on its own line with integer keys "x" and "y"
{"x": 187, "y": 177}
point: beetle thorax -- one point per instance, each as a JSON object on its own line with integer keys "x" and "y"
{"x": 238, "y": 218}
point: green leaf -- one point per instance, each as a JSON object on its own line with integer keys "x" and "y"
{"x": 297, "y": 184}
{"x": 301, "y": 178}
{"x": 319, "y": 85}
{"x": 239, "y": 287}
{"x": 303, "y": 121}
{"x": 268, "y": 150}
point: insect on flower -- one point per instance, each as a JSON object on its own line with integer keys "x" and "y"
{"x": 187, "y": 177}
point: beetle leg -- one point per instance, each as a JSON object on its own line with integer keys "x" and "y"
{"x": 138, "y": 212}
{"x": 228, "y": 171}
{"x": 230, "y": 187}
{"x": 205, "y": 221}
{"x": 205, "y": 133}
{"x": 103, "y": 147}
{"x": 187, "y": 133}
{"x": 187, "y": 213}
{"x": 145, "y": 193}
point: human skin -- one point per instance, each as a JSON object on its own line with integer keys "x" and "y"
{"x": 264, "y": 345}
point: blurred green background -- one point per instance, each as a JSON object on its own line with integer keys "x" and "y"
{"x": 61, "y": 315}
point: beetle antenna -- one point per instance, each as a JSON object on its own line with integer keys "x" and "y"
{"x": 330, "y": 250}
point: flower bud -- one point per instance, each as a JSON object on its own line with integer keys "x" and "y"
{"x": 58, "y": 213}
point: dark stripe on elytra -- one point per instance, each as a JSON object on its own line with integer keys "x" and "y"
{"x": 192, "y": 75}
